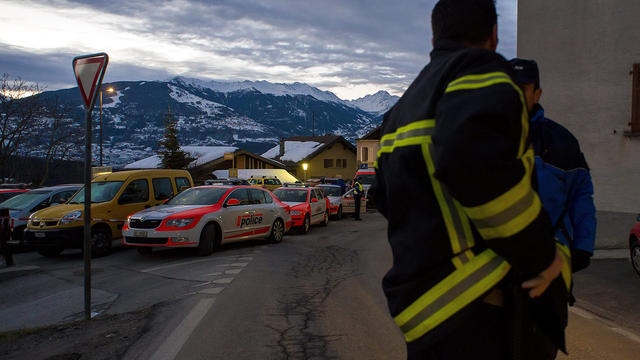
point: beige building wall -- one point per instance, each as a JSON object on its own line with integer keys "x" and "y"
{"x": 368, "y": 151}
{"x": 316, "y": 165}
{"x": 585, "y": 50}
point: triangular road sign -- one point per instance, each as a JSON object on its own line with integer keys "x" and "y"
{"x": 89, "y": 71}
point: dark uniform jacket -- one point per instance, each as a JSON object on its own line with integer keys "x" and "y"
{"x": 454, "y": 181}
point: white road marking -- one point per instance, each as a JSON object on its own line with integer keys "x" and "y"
{"x": 222, "y": 281}
{"x": 214, "y": 274}
{"x": 245, "y": 258}
{"x": 172, "y": 346}
{"x": 212, "y": 291}
{"x": 233, "y": 271}
{"x": 203, "y": 284}
{"x": 588, "y": 315}
{"x": 168, "y": 266}
{"x": 242, "y": 264}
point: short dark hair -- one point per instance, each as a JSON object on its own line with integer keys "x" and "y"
{"x": 468, "y": 21}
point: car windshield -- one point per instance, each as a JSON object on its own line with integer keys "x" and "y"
{"x": 367, "y": 179}
{"x": 198, "y": 196}
{"x": 331, "y": 191}
{"x": 292, "y": 195}
{"x": 22, "y": 201}
{"x": 101, "y": 191}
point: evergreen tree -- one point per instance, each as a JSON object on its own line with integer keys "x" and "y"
{"x": 171, "y": 155}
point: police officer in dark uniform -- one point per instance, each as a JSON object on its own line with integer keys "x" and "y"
{"x": 357, "y": 197}
{"x": 475, "y": 266}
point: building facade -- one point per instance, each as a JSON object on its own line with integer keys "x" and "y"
{"x": 586, "y": 51}
{"x": 368, "y": 147}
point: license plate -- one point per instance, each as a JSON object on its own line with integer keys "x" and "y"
{"x": 140, "y": 234}
{"x": 40, "y": 235}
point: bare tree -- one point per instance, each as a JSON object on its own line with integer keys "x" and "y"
{"x": 20, "y": 113}
{"x": 60, "y": 135}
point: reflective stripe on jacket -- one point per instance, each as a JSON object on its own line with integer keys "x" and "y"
{"x": 458, "y": 138}
{"x": 357, "y": 189}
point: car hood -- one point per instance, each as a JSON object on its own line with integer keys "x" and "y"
{"x": 162, "y": 211}
{"x": 293, "y": 203}
{"x": 56, "y": 212}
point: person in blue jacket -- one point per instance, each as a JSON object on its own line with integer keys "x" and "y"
{"x": 563, "y": 178}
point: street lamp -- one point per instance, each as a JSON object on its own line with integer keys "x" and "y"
{"x": 305, "y": 166}
{"x": 110, "y": 89}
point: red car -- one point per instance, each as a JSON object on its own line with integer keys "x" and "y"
{"x": 308, "y": 206}
{"x": 634, "y": 246}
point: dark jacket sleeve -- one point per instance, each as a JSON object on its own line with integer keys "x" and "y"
{"x": 481, "y": 155}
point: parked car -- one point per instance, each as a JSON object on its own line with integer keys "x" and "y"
{"x": 114, "y": 196}
{"x": 634, "y": 246}
{"x": 23, "y": 205}
{"x": 226, "y": 182}
{"x": 265, "y": 182}
{"x": 349, "y": 204}
{"x": 308, "y": 206}
{"x": 207, "y": 216}
{"x": 6, "y": 194}
{"x": 334, "y": 194}
{"x": 367, "y": 176}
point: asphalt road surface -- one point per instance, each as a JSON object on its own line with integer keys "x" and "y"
{"x": 313, "y": 296}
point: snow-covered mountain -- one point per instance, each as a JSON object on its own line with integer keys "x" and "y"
{"x": 249, "y": 114}
{"x": 377, "y": 103}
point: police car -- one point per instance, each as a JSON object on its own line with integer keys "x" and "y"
{"x": 308, "y": 206}
{"x": 334, "y": 194}
{"x": 206, "y": 216}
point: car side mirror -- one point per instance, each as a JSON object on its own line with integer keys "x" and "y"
{"x": 233, "y": 202}
{"x": 314, "y": 200}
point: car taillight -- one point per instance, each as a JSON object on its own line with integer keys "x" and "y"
{"x": 11, "y": 226}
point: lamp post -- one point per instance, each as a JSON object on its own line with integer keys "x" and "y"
{"x": 110, "y": 89}
{"x": 305, "y": 166}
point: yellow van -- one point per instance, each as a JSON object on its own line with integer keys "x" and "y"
{"x": 114, "y": 197}
{"x": 265, "y": 182}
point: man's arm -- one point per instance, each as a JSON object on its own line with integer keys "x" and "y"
{"x": 582, "y": 213}
{"x": 482, "y": 156}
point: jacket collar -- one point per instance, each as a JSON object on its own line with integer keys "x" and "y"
{"x": 537, "y": 113}
{"x": 446, "y": 46}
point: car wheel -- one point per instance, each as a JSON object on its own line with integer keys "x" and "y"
{"x": 277, "y": 231}
{"x": 144, "y": 250}
{"x": 100, "y": 242}
{"x": 207, "y": 240}
{"x": 49, "y": 251}
{"x": 635, "y": 257}
{"x": 325, "y": 222}
{"x": 306, "y": 225}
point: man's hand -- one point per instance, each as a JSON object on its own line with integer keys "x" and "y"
{"x": 539, "y": 284}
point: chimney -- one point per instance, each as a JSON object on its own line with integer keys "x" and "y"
{"x": 281, "y": 148}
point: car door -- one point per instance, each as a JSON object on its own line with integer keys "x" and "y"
{"x": 162, "y": 190}
{"x": 316, "y": 207}
{"x": 348, "y": 204}
{"x": 237, "y": 218}
{"x": 133, "y": 198}
{"x": 262, "y": 213}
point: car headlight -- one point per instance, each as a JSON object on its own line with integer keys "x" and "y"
{"x": 70, "y": 217}
{"x": 179, "y": 222}
{"x": 296, "y": 212}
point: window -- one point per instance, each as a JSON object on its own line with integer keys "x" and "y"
{"x": 313, "y": 194}
{"x": 341, "y": 163}
{"x": 365, "y": 153}
{"x": 635, "y": 101}
{"x": 272, "y": 182}
{"x": 320, "y": 194}
{"x": 268, "y": 199}
{"x": 181, "y": 183}
{"x": 257, "y": 196}
{"x": 328, "y": 163}
{"x": 162, "y": 188}
{"x": 241, "y": 195}
{"x": 136, "y": 192}
{"x": 62, "y": 197}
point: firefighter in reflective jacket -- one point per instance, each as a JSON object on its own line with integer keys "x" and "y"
{"x": 474, "y": 232}
{"x": 357, "y": 197}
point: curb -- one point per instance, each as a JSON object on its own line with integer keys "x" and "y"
{"x": 17, "y": 271}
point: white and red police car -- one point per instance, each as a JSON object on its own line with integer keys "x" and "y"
{"x": 308, "y": 205}
{"x": 207, "y": 216}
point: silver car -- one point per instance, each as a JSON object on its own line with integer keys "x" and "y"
{"x": 23, "y": 205}
{"x": 334, "y": 194}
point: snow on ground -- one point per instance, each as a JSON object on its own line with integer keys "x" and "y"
{"x": 202, "y": 155}
{"x": 281, "y": 174}
{"x": 293, "y": 150}
{"x": 115, "y": 100}
{"x": 201, "y": 104}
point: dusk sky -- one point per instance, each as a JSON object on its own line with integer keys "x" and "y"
{"x": 352, "y": 48}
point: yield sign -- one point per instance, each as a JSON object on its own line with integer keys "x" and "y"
{"x": 89, "y": 71}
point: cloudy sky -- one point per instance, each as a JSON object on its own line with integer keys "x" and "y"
{"x": 350, "y": 47}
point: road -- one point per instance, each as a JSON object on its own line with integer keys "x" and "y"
{"x": 314, "y": 296}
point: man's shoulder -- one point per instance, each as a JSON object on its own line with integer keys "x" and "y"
{"x": 560, "y": 132}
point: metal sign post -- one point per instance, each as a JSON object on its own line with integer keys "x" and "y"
{"x": 89, "y": 71}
